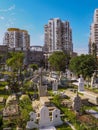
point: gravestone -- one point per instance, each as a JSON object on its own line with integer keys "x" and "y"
{"x": 31, "y": 124}
{"x": 44, "y": 120}
{"x": 68, "y": 74}
{"x": 56, "y": 119}
{"x": 77, "y": 104}
{"x": 81, "y": 84}
{"x": 55, "y": 85}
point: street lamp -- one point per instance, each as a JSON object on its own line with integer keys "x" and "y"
{"x": 46, "y": 61}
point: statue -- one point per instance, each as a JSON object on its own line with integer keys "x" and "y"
{"x": 81, "y": 84}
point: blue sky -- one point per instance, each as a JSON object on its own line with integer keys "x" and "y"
{"x": 32, "y": 15}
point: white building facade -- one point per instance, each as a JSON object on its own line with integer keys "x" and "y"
{"x": 16, "y": 38}
{"x": 93, "y": 39}
{"x": 58, "y": 36}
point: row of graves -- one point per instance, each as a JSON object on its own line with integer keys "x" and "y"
{"x": 10, "y": 110}
{"x": 64, "y": 78}
{"x": 45, "y": 116}
{"x": 42, "y": 119}
{"x": 93, "y": 82}
{"x": 77, "y": 101}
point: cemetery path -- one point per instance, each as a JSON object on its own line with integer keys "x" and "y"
{"x": 93, "y": 113}
{"x": 73, "y": 128}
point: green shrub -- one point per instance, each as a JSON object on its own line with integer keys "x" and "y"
{"x": 25, "y": 109}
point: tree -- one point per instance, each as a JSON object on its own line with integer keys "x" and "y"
{"x": 15, "y": 61}
{"x": 83, "y": 64}
{"x": 2, "y": 62}
{"x": 34, "y": 66}
{"x": 94, "y": 50}
{"x": 58, "y": 61}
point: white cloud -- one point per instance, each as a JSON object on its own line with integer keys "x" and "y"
{"x": 10, "y": 22}
{"x": 1, "y": 17}
{"x": 81, "y": 50}
{"x": 9, "y": 9}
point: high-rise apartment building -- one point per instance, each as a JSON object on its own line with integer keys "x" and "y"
{"x": 58, "y": 36}
{"x": 16, "y": 38}
{"x": 93, "y": 39}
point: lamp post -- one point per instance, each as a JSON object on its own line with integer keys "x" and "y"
{"x": 45, "y": 60}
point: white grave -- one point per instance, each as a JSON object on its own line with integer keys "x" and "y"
{"x": 44, "y": 120}
{"x": 31, "y": 124}
{"x": 6, "y": 87}
{"x": 81, "y": 84}
{"x": 56, "y": 119}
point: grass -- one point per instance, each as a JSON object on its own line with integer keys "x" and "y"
{"x": 1, "y": 107}
{"x": 91, "y": 107}
{"x": 71, "y": 117}
{"x": 25, "y": 108}
{"x": 95, "y": 90}
{"x": 63, "y": 127}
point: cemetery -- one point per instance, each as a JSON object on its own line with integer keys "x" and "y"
{"x": 54, "y": 108}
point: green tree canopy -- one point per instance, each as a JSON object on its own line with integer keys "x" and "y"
{"x": 15, "y": 60}
{"x": 58, "y": 61}
{"x": 34, "y": 66}
{"x": 83, "y": 64}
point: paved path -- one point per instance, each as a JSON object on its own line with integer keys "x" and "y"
{"x": 92, "y": 97}
{"x": 93, "y": 113}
